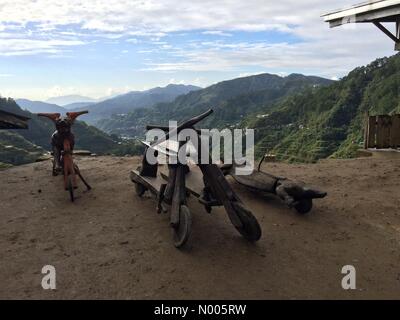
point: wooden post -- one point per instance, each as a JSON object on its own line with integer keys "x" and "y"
{"x": 371, "y": 132}
{"x": 395, "y": 131}
{"x": 366, "y": 128}
{"x": 397, "y": 46}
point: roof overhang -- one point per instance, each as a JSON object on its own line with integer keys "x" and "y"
{"x": 10, "y": 120}
{"x": 376, "y": 12}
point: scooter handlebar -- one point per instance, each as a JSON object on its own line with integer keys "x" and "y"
{"x": 187, "y": 124}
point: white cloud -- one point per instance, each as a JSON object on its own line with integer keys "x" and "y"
{"x": 142, "y": 17}
{"x": 217, "y": 33}
{"x": 329, "y": 54}
{"x": 248, "y": 74}
{"x": 33, "y": 27}
{"x": 174, "y": 81}
{"x": 18, "y": 47}
{"x": 132, "y": 40}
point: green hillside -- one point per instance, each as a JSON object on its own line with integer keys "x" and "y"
{"x": 231, "y": 101}
{"x": 24, "y": 146}
{"x": 328, "y": 122}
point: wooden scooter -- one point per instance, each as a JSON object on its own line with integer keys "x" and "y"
{"x": 206, "y": 181}
{"x": 295, "y": 194}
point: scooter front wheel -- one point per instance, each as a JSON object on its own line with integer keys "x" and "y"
{"x": 183, "y": 229}
{"x": 250, "y": 228}
{"x": 304, "y": 206}
{"x": 139, "y": 188}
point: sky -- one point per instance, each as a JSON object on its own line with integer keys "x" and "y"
{"x": 98, "y": 48}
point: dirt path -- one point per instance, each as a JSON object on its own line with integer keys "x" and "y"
{"x": 112, "y": 244}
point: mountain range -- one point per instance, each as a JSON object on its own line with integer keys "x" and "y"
{"x": 39, "y": 106}
{"x": 70, "y": 99}
{"x": 103, "y": 109}
{"x": 231, "y": 100}
{"x": 128, "y": 102}
{"x": 298, "y": 118}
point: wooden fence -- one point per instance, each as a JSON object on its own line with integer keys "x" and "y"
{"x": 382, "y": 132}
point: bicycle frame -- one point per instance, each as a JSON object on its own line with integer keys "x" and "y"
{"x": 68, "y": 164}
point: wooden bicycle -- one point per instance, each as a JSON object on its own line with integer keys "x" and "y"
{"x": 69, "y": 168}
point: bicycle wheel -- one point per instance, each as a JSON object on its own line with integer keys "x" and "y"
{"x": 70, "y": 188}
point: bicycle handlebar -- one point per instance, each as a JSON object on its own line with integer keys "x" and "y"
{"x": 56, "y": 116}
{"x": 52, "y": 116}
{"x": 73, "y": 115}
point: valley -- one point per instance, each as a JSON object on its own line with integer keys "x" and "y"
{"x": 297, "y": 118}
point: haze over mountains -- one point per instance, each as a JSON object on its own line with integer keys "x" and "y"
{"x": 103, "y": 109}
{"x": 69, "y": 99}
{"x": 39, "y": 106}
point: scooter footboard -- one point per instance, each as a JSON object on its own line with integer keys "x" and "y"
{"x": 221, "y": 191}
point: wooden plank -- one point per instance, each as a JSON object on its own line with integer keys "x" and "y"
{"x": 385, "y": 31}
{"x": 371, "y": 132}
{"x": 258, "y": 180}
{"x": 395, "y": 131}
{"x": 153, "y": 184}
{"x": 194, "y": 179}
{"x": 383, "y": 131}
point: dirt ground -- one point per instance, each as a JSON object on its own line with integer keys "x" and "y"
{"x": 111, "y": 244}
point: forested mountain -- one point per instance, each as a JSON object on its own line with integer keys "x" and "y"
{"x": 328, "y": 122}
{"x": 231, "y": 100}
{"x": 128, "y": 102}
